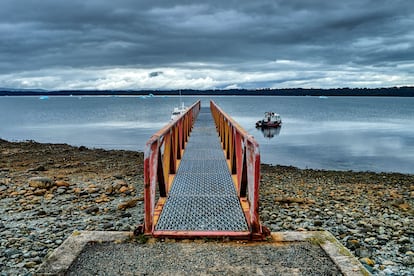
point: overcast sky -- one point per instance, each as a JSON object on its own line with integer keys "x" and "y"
{"x": 174, "y": 44}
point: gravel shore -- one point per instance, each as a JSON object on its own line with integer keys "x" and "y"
{"x": 47, "y": 191}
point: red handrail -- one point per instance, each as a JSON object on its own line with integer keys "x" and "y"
{"x": 243, "y": 156}
{"x": 162, "y": 155}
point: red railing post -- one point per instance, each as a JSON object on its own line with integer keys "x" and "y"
{"x": 239, "y": 160}
{"x": 253, "y": 178}
{"x": 150, "y": 181}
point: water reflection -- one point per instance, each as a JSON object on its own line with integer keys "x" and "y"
{"x": 270, "y": 132}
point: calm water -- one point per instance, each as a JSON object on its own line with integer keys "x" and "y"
{"x": 344, "y": 133}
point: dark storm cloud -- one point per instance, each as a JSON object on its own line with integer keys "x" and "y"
{"x": 240, "y": 36}
{"x": 154, "y": 74}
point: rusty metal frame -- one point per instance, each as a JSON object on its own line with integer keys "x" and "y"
{"x": 243, "y": 160}
{"x": 162, "y": 157}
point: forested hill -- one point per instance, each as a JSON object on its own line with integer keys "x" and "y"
{"x": 378, "y": 92}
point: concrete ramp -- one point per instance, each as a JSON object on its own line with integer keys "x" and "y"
{"x": 120, "y": 253}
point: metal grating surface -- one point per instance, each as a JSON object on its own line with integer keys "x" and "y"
{"x": 202, "y": 197}
{"x": 202, "y": 184}
{"x": 206, "y": 132}
{"x": 207, "y": 154}
{"x": 206, "y": 141}
{"x": 203, "y": 166}
{"x": 203, "y": 146}
{"x": 202, "y": 213}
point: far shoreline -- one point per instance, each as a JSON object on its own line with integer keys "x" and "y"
{"x": 404, "y": 91}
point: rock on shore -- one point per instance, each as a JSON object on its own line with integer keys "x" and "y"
{"x": 47, "y": 191}
{"x": 371, "y": 214}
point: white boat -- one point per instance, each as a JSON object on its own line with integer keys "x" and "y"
{"x": 178, "y": 111}
{"x": 270, "y": 119}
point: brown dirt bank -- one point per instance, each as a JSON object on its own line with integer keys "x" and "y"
{"x": 371, "y": 213}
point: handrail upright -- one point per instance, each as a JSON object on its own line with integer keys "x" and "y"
{"x": 162, "y": 153}
{"x": 242, "y": 152}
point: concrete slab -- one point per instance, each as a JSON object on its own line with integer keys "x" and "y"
{"x": 285, "y": 253}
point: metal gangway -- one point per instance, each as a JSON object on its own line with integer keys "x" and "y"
{"x": 201, "y": 178}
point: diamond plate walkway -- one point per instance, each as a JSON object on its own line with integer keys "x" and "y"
{"x": 203, "y": 196}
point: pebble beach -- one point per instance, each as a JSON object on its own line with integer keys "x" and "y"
{"x": 48, "y": 191}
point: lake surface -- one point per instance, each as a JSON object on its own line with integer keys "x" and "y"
{"x": 341, "y": 133}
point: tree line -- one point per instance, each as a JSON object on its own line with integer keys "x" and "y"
{"x": 406, "y": 91}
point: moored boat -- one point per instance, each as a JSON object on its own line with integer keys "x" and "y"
{"x": 270, "y": 119}
{"x": 178, "y": 111}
